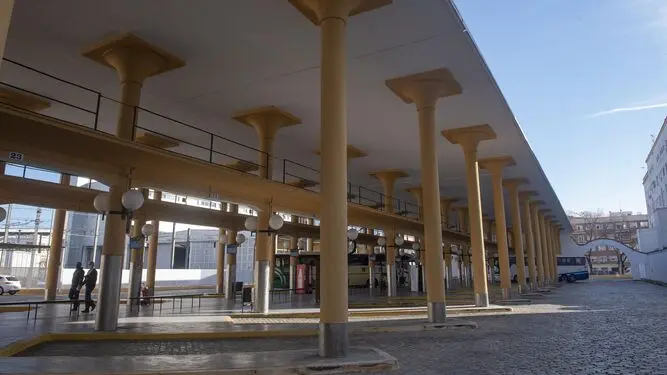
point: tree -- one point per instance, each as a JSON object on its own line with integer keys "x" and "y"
{"x": 589, "y": 220}
{"x": 622, "y": 260}
{"x": 588, "y": 259}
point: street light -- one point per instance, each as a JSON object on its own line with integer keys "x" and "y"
{"x": 130, "y": 201}
{"x": 352, "y": 235}
{"x": 275, "y": 223}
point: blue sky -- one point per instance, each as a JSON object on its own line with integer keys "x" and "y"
{"x": 564, "y": 66}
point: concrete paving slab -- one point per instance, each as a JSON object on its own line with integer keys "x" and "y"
{"x": 305, "y": 361}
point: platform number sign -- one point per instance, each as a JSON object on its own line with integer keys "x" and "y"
{"x": 16, "y": 156}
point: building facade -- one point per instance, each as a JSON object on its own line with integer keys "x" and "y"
{"x": 622, "y": 226}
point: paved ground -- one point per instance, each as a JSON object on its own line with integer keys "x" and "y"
{"x": 599, "y": 327}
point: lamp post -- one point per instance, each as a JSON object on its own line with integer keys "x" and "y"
{"x": 230, "y": 250}
{"x": 263, "y": 268}
{"x": 111, "y": 267}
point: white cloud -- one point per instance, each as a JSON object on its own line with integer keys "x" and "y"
{"x": 629, "y": 109}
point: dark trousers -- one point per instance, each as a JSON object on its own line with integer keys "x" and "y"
{"x": 74, "y": 297}
{"x": 89, "y": 299}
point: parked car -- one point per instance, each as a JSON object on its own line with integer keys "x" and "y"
{"x": 9, "y": 284}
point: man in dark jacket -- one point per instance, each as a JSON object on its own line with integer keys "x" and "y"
{"x": 77, "y": 282}
{"x": 90, "y": 281}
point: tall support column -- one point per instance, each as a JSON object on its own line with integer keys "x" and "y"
{"x": 388, "y": 178}
{"x": 293, "y": 247}
{"x": 418, "y": 193}
{"x": 266, "y": 121}
{"x": 552, "y": 250}
{"x": 230, "y": 264}
{"x": 134, "y": 60}
{"x": 496, "y": 166}
{"x": 332, "y": 17}
{"x": 446, "y": 208}
{"x": 512, "y": 186}
{"x": 529, "y": 241}
{"x": 462, "y": 219}
{"x": 424, "y": 90}
{"x": 136, "y": 260}
{"x": 153, "y": 243}
{"x": 537, "y": 237}
{"x": 220, "y": 262}
{"x": 545, "y": 245}
{"x": 56, "y": 249}
{"x": 469, "y": 139}
{"x": 6, "y": 9}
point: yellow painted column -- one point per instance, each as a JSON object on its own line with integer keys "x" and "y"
{"x": 266, "y": 121}
{"x": 550, "y": 250}
{"x": 424, "y": 90}
{"x": 6, "y": 9}
{"x": 552, "y": 247}
{"x": 153, "y": 243}
{"x": 535, "y": 221}
{"x": 469, "y": 139}
{"x": 446, "y": 207}
{"x": 529, "y": 241}
{"x": 332, "y": 17}
{"x": 293, "y": 247}
{"x": 230, "y": 249}
{"x": 56, "y": 249}
{"x": 220, "y": 261}
{"x": 418, "y": 193}
{"x": 136, "y": 263}
{"x": 512, "y": 186}
{"x": 134, "y": 60}
{"x": 388, "y": 178}
{"x": 462, "y": 213}
{"x": 545, "y": 245}
{"x": 496, "y": 166}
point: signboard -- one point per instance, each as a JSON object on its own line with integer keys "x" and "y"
{"x": 294, "y": 254}
{"x": 136, "y": 243}
{"x": 16, "y": 156}
{"x": 300, "y": 279}
{"x": 230, "y": 249}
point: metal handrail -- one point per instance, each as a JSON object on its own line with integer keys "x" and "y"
{"x": 212, "y": 137}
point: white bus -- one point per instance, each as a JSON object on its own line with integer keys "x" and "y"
{"x": 570, "y": 269}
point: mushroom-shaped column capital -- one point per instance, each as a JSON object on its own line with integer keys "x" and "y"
{"x": 424, "y": 89}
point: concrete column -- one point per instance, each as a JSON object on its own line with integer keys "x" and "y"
{"x": 230, "y": 264}
{"x": 512, "y": 186}
{"x": 496, "y": 166}
{"x": 446, "y": 208}
{"x": 552, "y": 252}
{"x": 56, "y": 249}
{"x": 309, "y": 240}
{"x": 418, "y": 193}
{"x": 469, "y": 138}
{"x": 527, "y": 224}
{"x": 332, "y": 17}
{"x": 537, "y": 237}
{"x": 388, "y": 179}
{"x": 6, "y": 8}
{"x": 136, "y": 260}
{"x": 293, "y": 246}
{"x": 462, "y": 218}
{"x": 266, "y": 121}
{"x": 424, "y": 90}
{"x": 545, "y": 246}
{"x": 134, "y": 60}
{"x": 486, "y": 226}
{"x": 220, "y": 262}
{"x": 152, "y": 250}
{"x": 448, "y": 264}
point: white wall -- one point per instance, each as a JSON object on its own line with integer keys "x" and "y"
{"x": 163, "y": 277}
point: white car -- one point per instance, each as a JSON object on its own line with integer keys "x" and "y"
{"x": 9, "y": 284}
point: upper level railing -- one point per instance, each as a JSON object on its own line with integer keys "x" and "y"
{"x": 82, "y": 106}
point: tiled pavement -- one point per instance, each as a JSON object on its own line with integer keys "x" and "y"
{"x": 600, "y": 327}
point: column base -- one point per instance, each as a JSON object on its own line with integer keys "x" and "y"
{"x": 333, "y": 340}
{"x": 111, "y": 271}
{"x": 262, "y": 286}
{"x": 481, "y": 300}
{"x": 134, "y": 285}
{"x": 437, "y": 312}
{"x": 391, "y": 280}
{"x": 230, "y": 280}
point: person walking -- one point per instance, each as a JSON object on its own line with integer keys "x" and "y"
{"x": 90, "y": 281}
{"x": 75, "y": 287}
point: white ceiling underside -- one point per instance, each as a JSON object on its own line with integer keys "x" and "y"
{"x": 251, "y": 53}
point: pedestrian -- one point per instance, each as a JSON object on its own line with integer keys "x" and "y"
{"x": 90, "y": 281}
{"x": 75, "y": 288}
